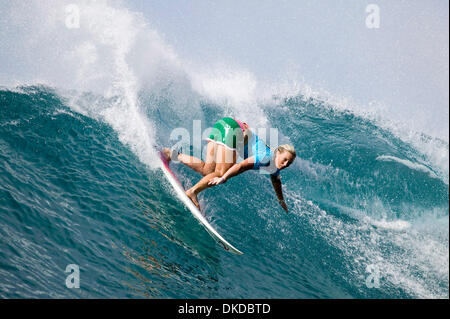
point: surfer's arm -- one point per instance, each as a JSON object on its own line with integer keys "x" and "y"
{"x": 276, "y": 182}
{"x": 234, "y": 170}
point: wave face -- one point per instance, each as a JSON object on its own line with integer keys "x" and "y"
{"x": 368, "y": 200}
{"x": 72, "y": 192}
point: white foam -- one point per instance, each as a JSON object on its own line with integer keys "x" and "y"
{"x": 406, "y": 256}
{"x": 94, "y": 59}
{"x": 434, "y": 149}
{"x": 415, "y": 261}
{"x": 392, "y": 225}
{"x": 236, "y": 90}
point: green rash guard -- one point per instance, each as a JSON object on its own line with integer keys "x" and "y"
{"x": 227, "y": 132}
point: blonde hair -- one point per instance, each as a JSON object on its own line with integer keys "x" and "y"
{"x": 287, "y": 148}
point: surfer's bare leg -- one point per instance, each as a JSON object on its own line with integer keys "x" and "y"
{"x": 197, "y": 164}
{"x": 193, "y": 197}
{"x": 224, "y": 160}
{"x": 201, "y": 185}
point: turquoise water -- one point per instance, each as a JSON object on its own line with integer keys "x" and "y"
{"x": 78, "y": 188}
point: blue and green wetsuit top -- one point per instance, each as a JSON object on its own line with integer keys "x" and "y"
{"x": 263, "y": 156}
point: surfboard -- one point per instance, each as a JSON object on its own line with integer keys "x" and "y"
{"x": 180, "y": 192}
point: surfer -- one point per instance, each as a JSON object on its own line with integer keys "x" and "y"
{"x": 229, "y": 137}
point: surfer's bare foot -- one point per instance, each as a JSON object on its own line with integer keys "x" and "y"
{"x": 193, "y": 197}
{"x": 166, "y": 153}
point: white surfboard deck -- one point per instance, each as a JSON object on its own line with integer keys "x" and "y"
{"x": 179, "y": 190}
